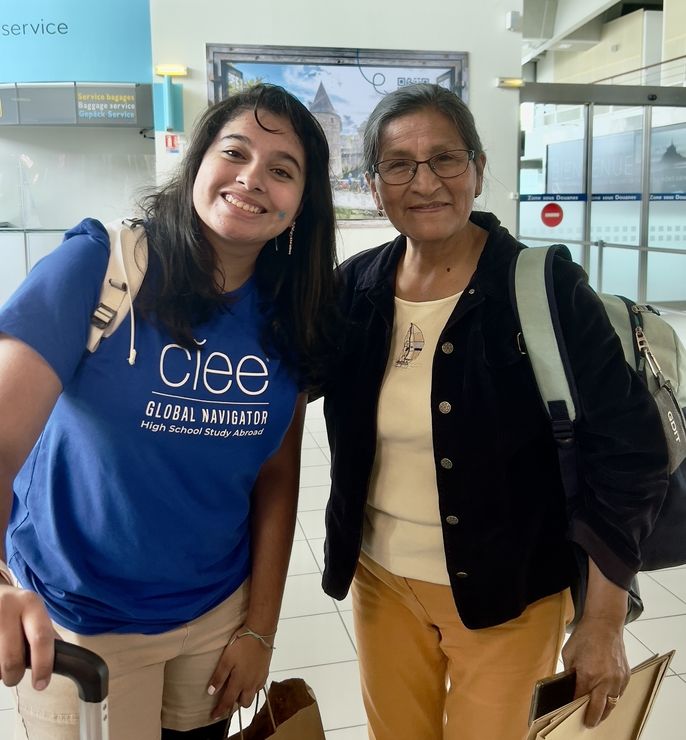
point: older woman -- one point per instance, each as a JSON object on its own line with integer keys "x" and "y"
{"x": 447, "y": 512}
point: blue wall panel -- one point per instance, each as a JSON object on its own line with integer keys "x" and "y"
{"x": 75, "y": 40}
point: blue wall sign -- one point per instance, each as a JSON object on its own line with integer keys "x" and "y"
{"x": 75, "y": 41}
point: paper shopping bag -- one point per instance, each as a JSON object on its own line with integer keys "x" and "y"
{"x": 625, "y": 722}
{"x": 290, "y": 713}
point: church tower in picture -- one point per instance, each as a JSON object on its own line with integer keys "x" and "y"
{"x": 322, "y": 109}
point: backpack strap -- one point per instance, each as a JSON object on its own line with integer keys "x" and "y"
{"x": 534, "y": 300}
{"x": 533, "y": 297}
{"x": 124, "y": 275}
{"x": 624, "y": 321}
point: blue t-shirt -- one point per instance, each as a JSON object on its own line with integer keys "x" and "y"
{"x": 131, "y": 514}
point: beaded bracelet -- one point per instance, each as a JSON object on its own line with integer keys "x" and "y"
{"x": 247, "y": 632}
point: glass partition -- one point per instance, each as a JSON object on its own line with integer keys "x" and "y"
{"x": 552, "y": 194}
{"x": 52, "y": 177}
{"x": 607, "y": 176}
{"x": 616, "y": 186}
{"x": 666, "y": 271}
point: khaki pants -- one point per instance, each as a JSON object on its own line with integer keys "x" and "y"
{"x": 425, "y": 676}
{"x": 155, "y": 680}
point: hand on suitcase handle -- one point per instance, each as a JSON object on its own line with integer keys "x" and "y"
{"x": 88, "y": 670}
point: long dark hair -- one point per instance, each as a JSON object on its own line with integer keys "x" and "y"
{"x": 298, "y": 289}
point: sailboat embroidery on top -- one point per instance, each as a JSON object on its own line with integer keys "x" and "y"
{"x": 412, "y": 346}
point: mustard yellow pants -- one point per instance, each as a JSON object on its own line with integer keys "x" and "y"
{"x": 425, "y": 676}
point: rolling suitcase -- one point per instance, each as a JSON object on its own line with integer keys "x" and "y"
{"x": 91, "y": 676}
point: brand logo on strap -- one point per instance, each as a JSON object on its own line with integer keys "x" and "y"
{"x": 672, "y": 423}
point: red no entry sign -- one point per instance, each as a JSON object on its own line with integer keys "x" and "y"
{"x": 551, "y": 215}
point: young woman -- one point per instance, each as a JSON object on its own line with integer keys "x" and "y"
{"x": 150, "y": 506}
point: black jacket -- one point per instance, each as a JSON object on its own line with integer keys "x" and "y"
{"x": 506, "y": 529}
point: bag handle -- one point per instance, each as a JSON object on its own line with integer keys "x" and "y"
{"x": 257, "y": 700}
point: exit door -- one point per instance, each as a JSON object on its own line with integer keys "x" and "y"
{"x": 607, "y": 177}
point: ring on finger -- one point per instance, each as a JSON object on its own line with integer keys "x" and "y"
{"x": 612, "y": 700}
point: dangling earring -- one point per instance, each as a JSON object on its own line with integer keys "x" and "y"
{"x": 276, "y": 245}
{"x": 380, "y": 211}
{"x": 290, "y": 239}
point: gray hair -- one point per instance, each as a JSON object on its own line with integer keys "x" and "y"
{"x": 415, "y": 98}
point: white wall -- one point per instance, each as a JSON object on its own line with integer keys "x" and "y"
{"x": 180, "y": 30}
{"x": 570, "y": 15}
{"x": 652, "y": 45}
{"x": 620, "y": 50}
{"x": 674, "y": 39}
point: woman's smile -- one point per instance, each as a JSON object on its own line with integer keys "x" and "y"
{"x": 243, "y": 204}
{"x": 420, "y": 207}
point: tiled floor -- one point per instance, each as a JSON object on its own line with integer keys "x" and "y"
{"x": 315, "y": 638}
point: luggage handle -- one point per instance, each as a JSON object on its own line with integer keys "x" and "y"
{"x": 88, "y": 670}
{"x": 91, "y": 676}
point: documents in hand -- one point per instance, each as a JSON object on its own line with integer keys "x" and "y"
{"x": 625, "y": 722}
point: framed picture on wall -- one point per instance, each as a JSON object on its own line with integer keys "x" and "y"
{"x": 340, "y": 87}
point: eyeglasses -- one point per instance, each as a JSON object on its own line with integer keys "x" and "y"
{"x": 448, "y": 164}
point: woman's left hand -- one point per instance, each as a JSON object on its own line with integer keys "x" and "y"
{"x": 595, "y": 650}
{"x": 241, "y": 672}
